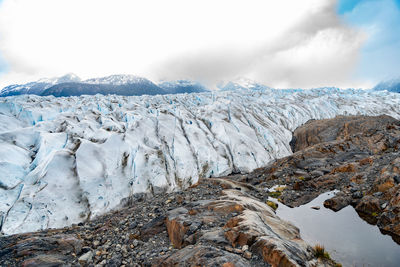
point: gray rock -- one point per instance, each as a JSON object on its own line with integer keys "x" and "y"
{"x": 300, "y": 172}
{"x": 317, "y": 173}
{"x": 377, "y": 194}
{"x": 215, "y": 237}
{"x": 86, "y": 258}
{"x": 357, "y": 195}
{"x": 337, "y": 202}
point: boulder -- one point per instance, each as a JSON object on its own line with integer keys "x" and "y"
{"x": 338, "y": 202}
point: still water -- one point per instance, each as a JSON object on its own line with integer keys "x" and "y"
{"x": 348, "y": 239}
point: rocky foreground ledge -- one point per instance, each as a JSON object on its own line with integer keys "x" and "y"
{"x": 226, "y": 221}
{"x": 218, "y": 222}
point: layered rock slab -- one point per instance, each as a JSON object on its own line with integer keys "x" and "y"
{"x": 240, "y": 224}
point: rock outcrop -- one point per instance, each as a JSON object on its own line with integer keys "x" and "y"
{"x": 358, "y": 155}
{"x": 241, "y": 225}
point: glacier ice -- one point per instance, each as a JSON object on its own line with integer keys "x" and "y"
{"x": 64, "y": 160}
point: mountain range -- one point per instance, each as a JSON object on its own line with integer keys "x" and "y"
{"x": 126, "y": 85}
{"x": 131, "y": 85}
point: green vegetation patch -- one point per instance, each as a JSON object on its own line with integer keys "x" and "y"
{"x": 272, "y": 204}
{"x": 275, "y": 194}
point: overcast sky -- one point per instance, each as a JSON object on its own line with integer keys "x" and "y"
{"x": 286, "y": 43}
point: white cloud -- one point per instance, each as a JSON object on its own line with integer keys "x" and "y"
{"x": 290, "y": 42}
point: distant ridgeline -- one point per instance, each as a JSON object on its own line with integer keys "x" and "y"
{"x": 126, "y": 85}
{"x": 130, "y": 85}
{"x": 391, "y": 86}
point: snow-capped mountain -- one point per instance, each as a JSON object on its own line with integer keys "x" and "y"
{"x": 126, "y": 85}
{"x": 182, "y": 86}
{"x": 391, "y": 86}
{"x": 129, "y": 89}
{"x": 37, "y": 88}
{"x": 64, "y": 160}
{"x": 118, "y": 79}
{"x": 242, "y": 83}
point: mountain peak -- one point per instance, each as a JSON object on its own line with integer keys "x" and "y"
{"x": 69, "y": 77}
{"x": 392, "y": 85}
{"x": 117, "y": 79}
{"x": 182, "y": 86}
{"x": 242, "y": 83}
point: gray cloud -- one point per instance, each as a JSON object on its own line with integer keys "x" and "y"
{"x": 288, "y": 60}
{"x": 207, "y": 41}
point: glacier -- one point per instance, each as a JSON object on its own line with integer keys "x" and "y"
{"x": 68, "y": 159}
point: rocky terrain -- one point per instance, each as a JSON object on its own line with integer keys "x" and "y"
{"x": 218, "y": 222}
{"x": 230, "y": 221}
{"x": 360, "y": 156}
